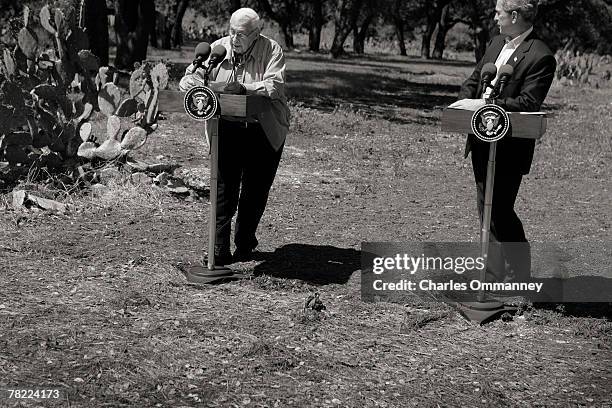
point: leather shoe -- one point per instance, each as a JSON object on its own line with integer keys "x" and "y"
{"x": 243, "y": 255}
{"x": 222, "y": 258}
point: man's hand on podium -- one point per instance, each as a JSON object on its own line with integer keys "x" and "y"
{"x": 468, "y": 104}
{"x": 190, "y": 81}
{"x": 235, "y": 88}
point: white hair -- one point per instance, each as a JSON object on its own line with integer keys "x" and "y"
{"x": 247, "y": 18}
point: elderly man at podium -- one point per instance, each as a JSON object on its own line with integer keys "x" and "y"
{"x": 533, "y": 66}
{"x": 249, "y": 150}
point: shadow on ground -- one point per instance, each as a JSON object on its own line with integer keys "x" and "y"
{"x": 315, "y": 264}
{"x": 590, "y": 309}
{"x": 369, "y": 92}
{"x": 580, "y": 296}
{"x": 375, "y": 61}
{"x": 382, "y": 90}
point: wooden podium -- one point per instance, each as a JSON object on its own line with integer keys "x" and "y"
{"x": 525, "y": 125}
{"x": 231, "y": 107}
{"x": 235, "y": 106}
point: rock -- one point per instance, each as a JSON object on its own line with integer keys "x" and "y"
{"x": 176, "y": 186}
{"x": 136, "y": 165}
{"x": 46, "y": 204}
{"x": 140, "y": 178}
{"x": 197, "y": 179}
{"x": 19, "y": 197}
{"x": 160, "y": 167}
{"x": 162, "y": 179}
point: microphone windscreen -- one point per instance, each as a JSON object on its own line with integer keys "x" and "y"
{"x": 202, "y": 50}
{"x": 219, "y": 52}
{"x": 489, "y": 69}
{"x": 506, "y": 70}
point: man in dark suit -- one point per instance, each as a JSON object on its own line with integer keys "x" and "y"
{"x": 534, "y": 67}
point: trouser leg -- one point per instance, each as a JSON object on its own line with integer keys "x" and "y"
{"x": 260, "y": 165}
{"x": 228, "y": 184}
{"x": 510, "y": 253}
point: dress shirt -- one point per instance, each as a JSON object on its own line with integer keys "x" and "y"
{"x": 505, "y": 54}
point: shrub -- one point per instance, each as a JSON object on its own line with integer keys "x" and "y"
{"x": 50, "y": 84}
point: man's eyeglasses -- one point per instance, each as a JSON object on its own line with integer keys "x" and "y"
{"x": 240, "y": 35}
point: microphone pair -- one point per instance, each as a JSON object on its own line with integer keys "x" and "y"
{"x": 203, "y": 52}
{"x": 489, "y": 73}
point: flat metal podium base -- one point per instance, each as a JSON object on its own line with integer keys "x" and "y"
{"x": 483, "y": 312}
{"x": 202, "y": 275}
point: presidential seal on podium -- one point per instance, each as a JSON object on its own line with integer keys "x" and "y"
{"x": 201, "y": 103}
{"x": 490, "y": 123}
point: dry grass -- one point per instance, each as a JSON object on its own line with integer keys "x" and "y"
{"x": 93, "y": 301}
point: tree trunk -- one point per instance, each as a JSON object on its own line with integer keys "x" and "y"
{"x": 340, "y": 36}
{"x": 345, "y": 15}
{"x": 287, "y": 33}
{"x": 177, "y": 28}
{"x": 132, "y": 24}
{"x": 337, "y": 47}
{"x": 316, "y": 26}
{"x": 399, "y": 32}
{"x": 154, "y": 29}
{"x": 284, "y": 17}
{"x": 481, "y": 38}
{"x": 426, "y": 40}
{"x": 446, "y": 23}
{"x": 439, "y": 40}
{"x": 434, "y": 15}
{"x": 314, "y": 38}
{"x": 95, "y": 21}
{"x": 166, "y": 33}
{"x": 398, "y": 23}
{"x": 360, "y": 34}
{"x": 357, "y": 47}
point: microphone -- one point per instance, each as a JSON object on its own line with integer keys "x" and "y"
{"x": 487, "y": 74}
{"x": 216, "y": 56}
{"x": 202, "y": 51}
{"x": 505, "y": 73}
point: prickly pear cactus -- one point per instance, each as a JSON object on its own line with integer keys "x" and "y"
{"x": 50, "y": 86}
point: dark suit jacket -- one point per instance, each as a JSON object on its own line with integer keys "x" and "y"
{"x": 534, "y": 68}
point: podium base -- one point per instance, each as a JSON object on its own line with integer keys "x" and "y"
{"x": 483, "y": 312}
{"x": 202, "y": 275}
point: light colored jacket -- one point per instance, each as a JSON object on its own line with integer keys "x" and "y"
{"x": 263, "y": 73}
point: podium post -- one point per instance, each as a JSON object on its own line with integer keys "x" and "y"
{"x": 214, "y": 175}
{"x": 485, "y": 228}
{"x": 490, "y": 123}
{"x": 222, "y": 106}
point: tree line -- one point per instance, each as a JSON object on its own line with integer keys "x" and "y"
{"x": 585, "y": 24}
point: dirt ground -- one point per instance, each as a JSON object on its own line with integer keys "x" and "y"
{"x": 95, "y": 303}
